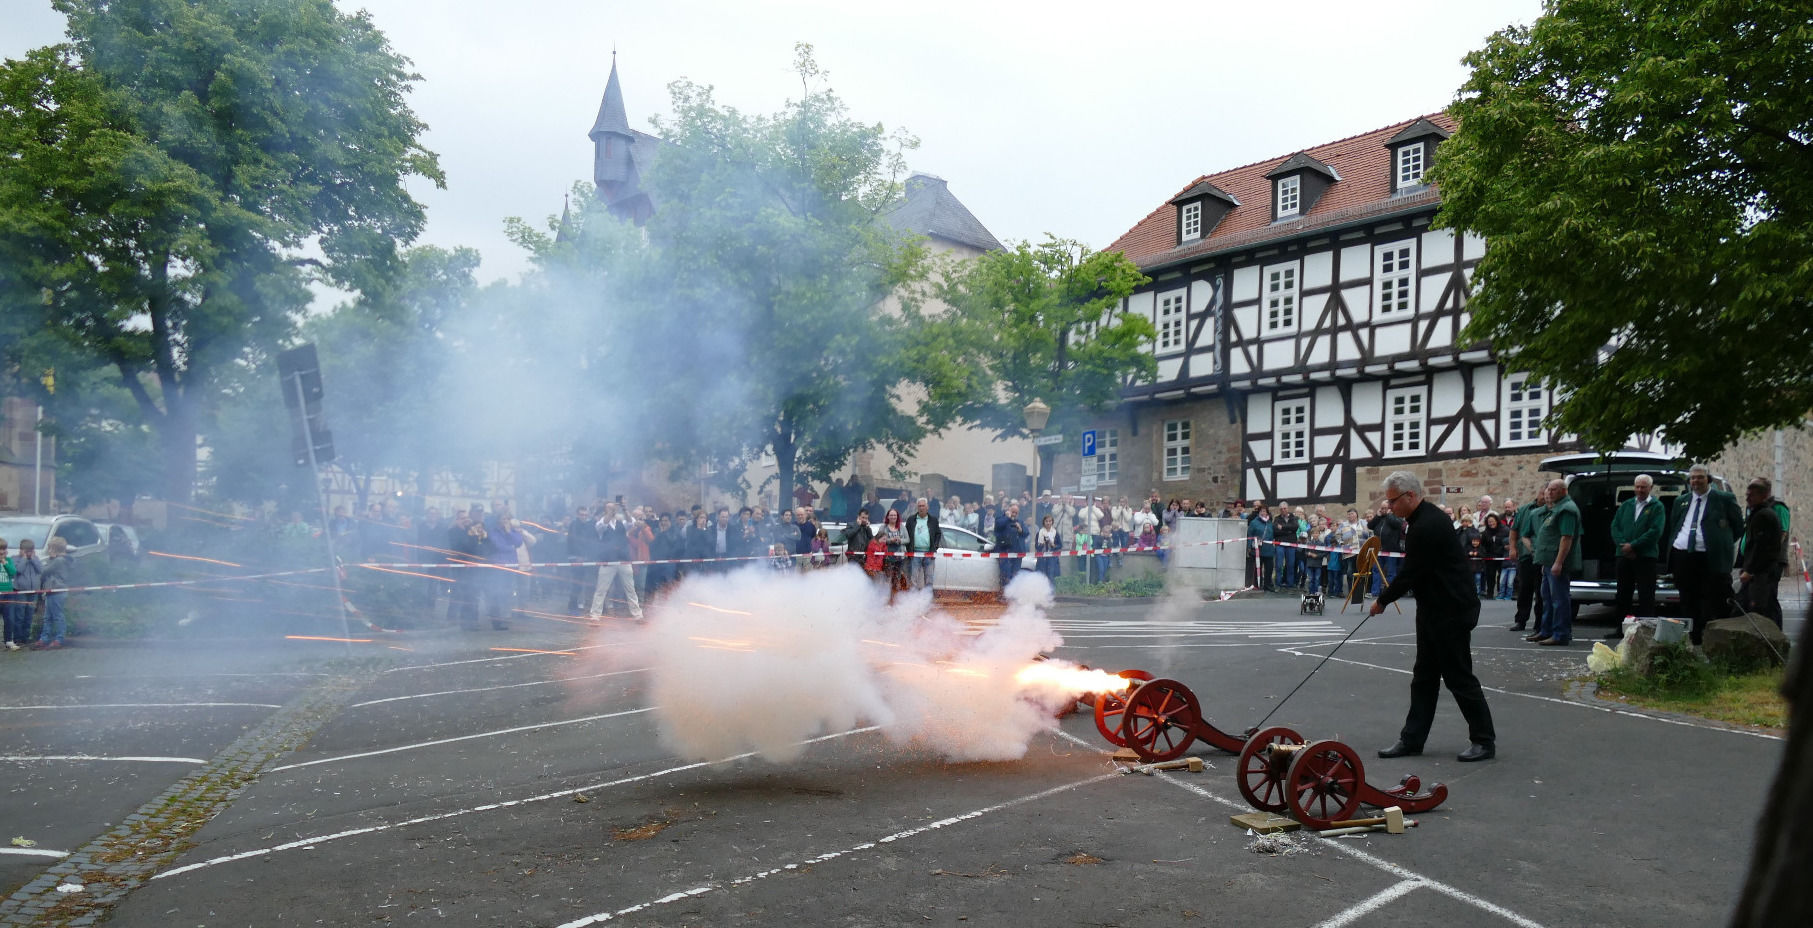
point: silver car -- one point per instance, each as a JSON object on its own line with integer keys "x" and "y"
{"x": 83, "y": 537}
{"x": 960, "y": 568}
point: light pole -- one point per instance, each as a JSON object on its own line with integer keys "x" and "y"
{"x": 1037, "y": 414}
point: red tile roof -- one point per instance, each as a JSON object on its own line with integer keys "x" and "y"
{"x": 1363, "y": 190}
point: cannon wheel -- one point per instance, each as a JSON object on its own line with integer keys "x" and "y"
{"x": 1323, "y": 784}
{"x": 1259, "y": 775}
{"x": 1109, "y": 706}
{"x": 1160, "y": 720}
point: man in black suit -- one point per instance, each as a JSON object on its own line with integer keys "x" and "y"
{"x": 1702, "y": 539}
{"x": 1447, "y": 610}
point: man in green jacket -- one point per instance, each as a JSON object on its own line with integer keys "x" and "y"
{"x": 1702, "y": 543}
{"x": 1523, "y": 550}
{"x": 1637, "y": 539}
{"x": 1558, "y": 556}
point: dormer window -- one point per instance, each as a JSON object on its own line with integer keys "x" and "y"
{"x": 1409, "y": 166}
{"x": 1412, "y": 151}
{"x": 1200, "y": 209}
{"x": 1290, "y": 196}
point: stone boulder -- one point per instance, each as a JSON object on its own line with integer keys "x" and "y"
{"x": 1639, "y": 644}
{"x": 1745, "y": 643}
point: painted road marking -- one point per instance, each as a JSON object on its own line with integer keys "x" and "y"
{"x": 501, "y": 686}
{"x": 482, "y": 734}
{"x": 311, "y": 842}
{"x": 85, "y": 757}
{"x": 600, "y": 917}
{"x": 1377, "y": 901}
{"x": 152, "y": 705}
{"x": 487, "y": 660}
{"x": 32, "y": 852}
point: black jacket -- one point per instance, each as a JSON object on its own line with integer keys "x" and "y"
{"x": 1390, "y": 530}
{"x": 935, "y": 535}
{"x": 614, "y": 540}
{"x": 1436, "y": 569}
{"x": 1010, "y": 535}
{"x": 1762, "y": 540}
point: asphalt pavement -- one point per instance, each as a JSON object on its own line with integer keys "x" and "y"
{"x": 429, "y": 775}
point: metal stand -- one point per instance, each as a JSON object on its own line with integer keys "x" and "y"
{"x": 327, "y": 529}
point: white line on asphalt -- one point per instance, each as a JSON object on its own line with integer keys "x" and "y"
{"x": 488, "y": 660}
{"x": 501, "y": 686}
{"x": 1377, "y": 901}
{"x": 153, "y": 705}
{"x": 482, "y": 734}
{"x": 1122, "y": 647}
{"x": 32, "y": 852}
{"x": 191, "y": 676}
{"x": 1345, "y": 848}
{"x": 142, "y": 760}
{"x": 1565, "y": 702}
{"x": 599, "y": 917}
{"x": 311, "y": 842}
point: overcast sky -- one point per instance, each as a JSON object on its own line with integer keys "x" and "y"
{"x": 1075, "y": 119}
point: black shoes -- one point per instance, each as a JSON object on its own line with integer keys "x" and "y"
{"x": 1476, "y": 752}
{"x": 1401, "y": 749}
{"x": 1520, "y": 627}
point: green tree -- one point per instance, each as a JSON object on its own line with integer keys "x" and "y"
{"x": 759, "y": 291}
{"x": 180, "y": 171}
{"x": 1642, "y": 171}
{"x": 1038, "y": 322}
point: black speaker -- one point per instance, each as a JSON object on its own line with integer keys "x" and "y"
{"x": 300, "y": 373}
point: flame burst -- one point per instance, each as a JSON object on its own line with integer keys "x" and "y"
{"x": 1065, "y": 677}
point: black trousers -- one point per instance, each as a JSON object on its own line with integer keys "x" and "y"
{"x": 1636, "y": 574}
{"x": 1760, "y": 594}
{"x": 1705, "y": 589}
{"x": 1529, "y": 586}
{"x": 1444, "y": 655}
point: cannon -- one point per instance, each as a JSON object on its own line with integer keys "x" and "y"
{"x": 1317, "y": 783}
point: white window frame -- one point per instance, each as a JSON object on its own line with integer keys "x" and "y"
{"x": 1105, "y": 466}
{"x": 1281, "y": 298}
{"x": 1289, "y": 196}
{"x": 1406, "y": 421}
{"x": 1410, "y": 165}
{"x": 1172, "y": 319}
{"x": 1192, "y": 221}
{"x": 1394, "y": 279}
{"x": 1290, "y": 432}
{"x": 1524, "y": 404}
{"x": 1176, "y": 437}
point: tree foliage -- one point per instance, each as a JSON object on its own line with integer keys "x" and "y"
{"x": 180, "y": 170}
{"x": 1642, "y": 171}
{"x": 1039, "y": 322}
{"x": 749, "y": 321}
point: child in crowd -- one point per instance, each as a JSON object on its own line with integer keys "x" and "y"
{"x": 820, "y": 550}
{"x": 56, "y": 576}
{"x": 28, "y": 571}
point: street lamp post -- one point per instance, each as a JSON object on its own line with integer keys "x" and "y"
{"x": 1037, "y": 414}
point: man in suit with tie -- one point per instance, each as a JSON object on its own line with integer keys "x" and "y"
{"x": 1637, "y": 541}
{"x": 1702, "y": 540}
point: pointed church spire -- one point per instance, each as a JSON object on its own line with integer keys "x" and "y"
{"x": 611, "y": 115}
{"x": 564, "y": 232}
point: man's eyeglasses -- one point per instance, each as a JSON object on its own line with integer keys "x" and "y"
{"x": 1393, "y": 500}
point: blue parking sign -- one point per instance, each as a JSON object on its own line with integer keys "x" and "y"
{"x": 1089, "y": 443}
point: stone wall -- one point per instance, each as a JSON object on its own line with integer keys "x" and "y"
{"x": 1787, "y": 461}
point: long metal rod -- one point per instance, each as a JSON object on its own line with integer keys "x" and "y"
{"x": 327, "y": 528}
{"x": 37, "y": 473}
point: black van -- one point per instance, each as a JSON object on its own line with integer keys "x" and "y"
{"x": 1597, "y": 484}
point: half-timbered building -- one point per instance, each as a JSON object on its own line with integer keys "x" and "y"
{"x": 1309, "y": 338}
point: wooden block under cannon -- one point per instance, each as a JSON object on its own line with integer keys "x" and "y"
{"x": 1263, "y": 823}
{"x": 1127, "y": 756}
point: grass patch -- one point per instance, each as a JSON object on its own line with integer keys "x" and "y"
{"x": 1153, "y": 585}
{"x": 1682, "y": 681}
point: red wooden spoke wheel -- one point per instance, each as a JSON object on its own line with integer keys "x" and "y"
{"x": 1260, "y": 773}
{"x": 1323, "y": 784}
{"x": 1108, "y": 708}
{"x": 1160, "y": 721}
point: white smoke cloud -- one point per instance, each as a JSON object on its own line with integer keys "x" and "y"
{"x": 761, "y": 661}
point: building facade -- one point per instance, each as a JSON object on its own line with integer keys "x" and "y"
{"x": 1309, "y": 340}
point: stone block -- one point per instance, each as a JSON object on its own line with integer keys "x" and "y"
{"x": 1746, "y": 643}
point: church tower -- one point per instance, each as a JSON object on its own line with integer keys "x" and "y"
{"x": 620, "y": 154}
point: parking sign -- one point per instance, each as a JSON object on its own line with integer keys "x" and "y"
{"x": 1089, "y": 443}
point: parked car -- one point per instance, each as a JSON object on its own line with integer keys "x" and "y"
{"x": 1598, "y": 484}
{"x": 954, "y": 574}
{"x": 122, "y": 540}
{"x": 83, "y": 537}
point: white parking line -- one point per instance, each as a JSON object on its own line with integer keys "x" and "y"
{"x": 489, "y": 660}
{"x": 482, "y": 734}
{"x": 84, "y": 757}
{"x": 600, "y": 917}
{"x": 1371, "y": 904}
{"x": 32, "y": 852}
{"x": 1345, "y": 848}
{"x": 315, "y": 840}
{"x": 1555, "y": 699}
{"x": 501, "y": 686}
{"x": 152, "y": 705}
